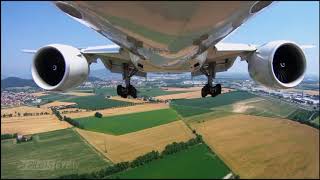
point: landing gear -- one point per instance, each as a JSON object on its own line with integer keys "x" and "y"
{"x": 214, "y": 91}
{"x": 128, "y": 72}
{"x": 208, "y": 88}
{"x": 125, "y": 91}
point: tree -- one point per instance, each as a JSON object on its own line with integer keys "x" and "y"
{"x": 98, "y": 115}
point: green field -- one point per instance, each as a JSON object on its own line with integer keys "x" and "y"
{"x": 316, "y": 120}
{"x": 303, "y": 115}
{"x": 271, "y": 108}
{"x": 186, "y": 111}
{"x": 49, "y": 155}
{"x": 96, "y": 102}
{"x": 207, "y": 116}
{"x": 192, "y": 107}
{"x": 209, "y": 102}
{"x": 107, "y": 91}
{"x": 55, "y": 97}
{"x": 127, "y": 123}
{"x": 152, "y": 92}
{"x": 196, "y": 162}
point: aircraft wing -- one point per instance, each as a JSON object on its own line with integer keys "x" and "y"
{"x": 224, "y": 55}
{"x": 112, "y": 56}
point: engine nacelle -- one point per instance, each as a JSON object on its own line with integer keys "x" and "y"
{"x": 278, "y": 64}
{"x": 58, "y": 67}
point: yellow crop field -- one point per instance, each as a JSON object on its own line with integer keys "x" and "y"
{"x": 32, "y": 124}
{"x": 129, "y": 146}
{"x": 24, "y": 109}
{"x": 262, "y": 147}
{"x": 195, "y": 92}
{"x": 118, "y": 98}
{"x": 39, "y": 94}
{"x": 57, "y": 103}
{"x": 120, "y": 110}
{"x": 78, "y": 94}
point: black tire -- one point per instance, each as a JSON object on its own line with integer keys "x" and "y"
{"x": 124, "y": 92}
{"x": 213, "y": 94}
{"x": 133, "y": 91}
{"x": 119, "y": 90}
{"x": 204, "y": 92}
{"x": 218, "y": 88}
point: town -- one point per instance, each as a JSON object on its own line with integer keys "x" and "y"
{"x": 308, "y": 99}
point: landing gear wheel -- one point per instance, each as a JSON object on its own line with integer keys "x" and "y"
{"x": 119, "y": 90}
{"x": 214, "y": 91}
{"x": 132, "y": 91}
{"x": 124, "y": 95}
{"x": 218, "y": 88}
{"x": 205, "y": 91}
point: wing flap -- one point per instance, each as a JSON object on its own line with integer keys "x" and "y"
{"x": 107, "y": 49}
{"x": 235, "y": 47}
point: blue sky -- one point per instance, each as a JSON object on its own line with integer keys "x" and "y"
{"x": 30, "y": 25}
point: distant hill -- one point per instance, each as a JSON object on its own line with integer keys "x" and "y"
{"x": 93, "y": 78}
{"x": 105, "y": 74}
{"x": 17, "y": 82}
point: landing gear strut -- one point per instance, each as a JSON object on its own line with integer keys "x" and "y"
{"x": 208, "y": 88}
{"x": 128, "y": 72}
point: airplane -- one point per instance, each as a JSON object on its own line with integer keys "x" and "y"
{"x": 169, "y": 37}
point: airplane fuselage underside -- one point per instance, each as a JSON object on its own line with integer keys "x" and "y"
{"x": 163, "y": 36}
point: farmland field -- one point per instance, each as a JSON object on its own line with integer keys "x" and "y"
{"x": 107, "y": 91}
{"x": 57, "y": 103}
{"x": 49, "y": 155}
{"x": 55, "y": 97}
{"x": 152, "y": 92}
{"x": 120, "y": 110}
{"x": 123, "y": 124}
{"x": 192, "y": 93}
{"x": 263, "y": 147}
{"x": 316, "y": 120}
{"x": 132, "y": 100}
{"x": 96, "y": 102}
{"x": 193, "y": 163}
{"x": 303, "y": 115}
{"x": 19, "y": 111}
{"x": 186, "y": 111}
{"x": 222, "y": 99}
{"x": 269, "y": 108}
{"x": 214, "y": 114}
{"x": 32, "y": 124}
{"x": 129, "y": 146}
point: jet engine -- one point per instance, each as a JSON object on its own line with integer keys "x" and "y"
{"x": 277, "y": 64}
{"x": 58, "y": 67}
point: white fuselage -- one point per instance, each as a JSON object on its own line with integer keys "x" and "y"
{"x": 164, "y": 36}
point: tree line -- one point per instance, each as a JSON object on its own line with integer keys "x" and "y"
{"x": 56, "y": 113}
{"x": 8, "y": 136}
{"x": 309, "y": 123}
{"x": 73, "y": 122}
{"x": 24, "y": 114}
{"x": 139, "y": 161}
